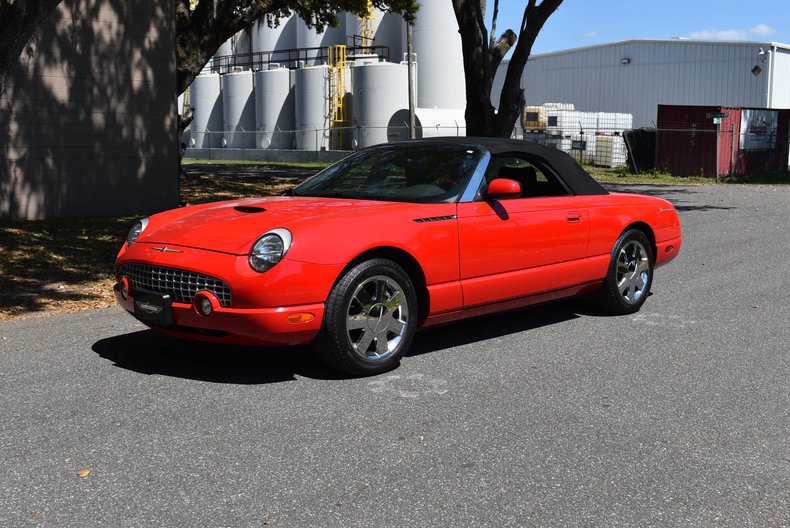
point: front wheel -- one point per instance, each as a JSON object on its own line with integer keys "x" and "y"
{"x": 370, "y": 319}
{"x": 630, "y": 274}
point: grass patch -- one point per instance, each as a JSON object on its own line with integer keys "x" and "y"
{"x": 316, "y": 165}
{"x": 620, "y": 175}
{"x": 779, "y": 178}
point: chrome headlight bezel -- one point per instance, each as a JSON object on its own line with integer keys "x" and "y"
{"x": 269, "y": 249}
{"x": 136, "y": 230}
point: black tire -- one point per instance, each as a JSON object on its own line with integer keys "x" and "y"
{"x": 630, "y": 274}
{"x": 370, "y": 319}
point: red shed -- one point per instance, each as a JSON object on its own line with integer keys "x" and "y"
{"x": 689, "y": 142}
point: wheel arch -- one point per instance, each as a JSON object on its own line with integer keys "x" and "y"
{"x": 409, "y": 264}
{"x": 645, "y": 228}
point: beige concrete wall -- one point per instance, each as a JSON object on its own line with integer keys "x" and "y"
{"x": 87, "y": 124}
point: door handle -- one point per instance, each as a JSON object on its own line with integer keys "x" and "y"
{"x": 574, "y": 218}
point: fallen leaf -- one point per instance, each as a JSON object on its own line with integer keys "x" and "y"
{"x": 36, "y": 517}
{"x": 84, "y": 473}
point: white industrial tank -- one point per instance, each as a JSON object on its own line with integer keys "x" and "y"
{"x": 266, "y": 38}
{"x": 429, "y": 122}
{"x": 274, "y": 109}
{"x": 380, "y": 90}
{"x": 311, "y": 105}
{"x": 437, "y": 44}
{"x": 207, "y": 121}
{"x": 307, "y": 37}
{"x": 238, "y": 109}
{"x": 437, "y": 122}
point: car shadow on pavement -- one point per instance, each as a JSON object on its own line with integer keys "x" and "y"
{"x": 502, "y": 324}
{"x": 148, "y": 352}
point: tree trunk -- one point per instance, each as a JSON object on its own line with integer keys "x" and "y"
{"x": 481, "y": 60}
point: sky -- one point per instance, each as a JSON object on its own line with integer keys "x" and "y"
{"x": 579, "y": 23}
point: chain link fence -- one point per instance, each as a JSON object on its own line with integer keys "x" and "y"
{"x": 313, "y": 138}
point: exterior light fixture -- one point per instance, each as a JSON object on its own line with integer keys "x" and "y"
{"x": 625, "y": 60}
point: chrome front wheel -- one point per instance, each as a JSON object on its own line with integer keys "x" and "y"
{"x": 370, "y": 319}
{"x": 377, "y": 317}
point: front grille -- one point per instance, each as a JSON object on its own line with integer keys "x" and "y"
{"x": 180, "y": 285}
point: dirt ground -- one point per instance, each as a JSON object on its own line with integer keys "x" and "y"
{"x": 60, "y": 266}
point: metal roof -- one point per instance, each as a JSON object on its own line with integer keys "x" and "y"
{"x": 662, "y": 41}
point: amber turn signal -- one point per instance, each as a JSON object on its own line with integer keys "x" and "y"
{"x": 300, "y": 317}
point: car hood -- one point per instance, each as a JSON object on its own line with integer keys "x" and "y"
{"x": 232, "y": 227}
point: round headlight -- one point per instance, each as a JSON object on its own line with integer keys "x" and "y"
{"x": 135, "y": 231}
{"x": 269, "y": 250}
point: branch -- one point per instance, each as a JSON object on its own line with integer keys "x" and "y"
{"x": 500, "y": 48}
{"x": 19, "y": 21}
{"x": 493, "y": 24}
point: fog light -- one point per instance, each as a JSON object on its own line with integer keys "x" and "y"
{"x": 125, "y": 288}
{"x": 205, "y": 303}
{"x": 300, "y": 317}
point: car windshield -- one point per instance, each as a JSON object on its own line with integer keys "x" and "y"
{"x": 403, "y": 173}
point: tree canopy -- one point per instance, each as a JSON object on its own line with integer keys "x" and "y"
{"x": 483, "y": 55}
{"x": 19, "y": 20}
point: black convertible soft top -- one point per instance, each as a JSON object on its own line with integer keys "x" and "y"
{"x": 575, "y": 177}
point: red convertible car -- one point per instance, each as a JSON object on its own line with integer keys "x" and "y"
{"x": 394, "y": 238}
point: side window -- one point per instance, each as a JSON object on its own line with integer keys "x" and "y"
{"x": 535, "y": 177}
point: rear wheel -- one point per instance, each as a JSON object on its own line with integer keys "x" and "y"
{"x": 630, "y": 274}
{"x": 370, "y": 319}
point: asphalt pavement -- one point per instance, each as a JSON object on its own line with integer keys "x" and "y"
{"x": 550, "y": 416}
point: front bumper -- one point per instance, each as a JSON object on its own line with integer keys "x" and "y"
{"x": 238, "y": 326}
{"x": 261, "y": 302}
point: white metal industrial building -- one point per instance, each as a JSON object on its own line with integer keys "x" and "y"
{"x": 635, "y": 76}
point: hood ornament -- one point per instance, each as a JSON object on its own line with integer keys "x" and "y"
{"x": 166, "y": 249}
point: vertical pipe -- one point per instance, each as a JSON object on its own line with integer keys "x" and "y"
{"x": 412, "y": 120}
{"x": 732, "y": 147}
{"x": 718, "y": 127}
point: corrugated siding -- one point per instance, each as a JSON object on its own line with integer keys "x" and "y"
{"x": 671, "y": 72}
{"x": 87, "y": 124}
{"x": 780, "y": 91}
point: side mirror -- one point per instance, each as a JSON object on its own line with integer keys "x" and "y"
{"x": 502, "y": 188}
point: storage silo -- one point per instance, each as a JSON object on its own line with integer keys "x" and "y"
{"x": 311, "y": 89}
{"x": 274, "y": 109}
{"x": 381, "y": 89}
{"x": 307, "y": 37}
{"x": 207, "y": 121}
{"x": 429, "y": 122}
{"x": 437, "y": 43}
{"x": 391, "y": 31}
{"x": 266, "y": 38}
{"x": 238, "y": 109}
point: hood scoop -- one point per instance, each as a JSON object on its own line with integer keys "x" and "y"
{"x": 249, "y": 209}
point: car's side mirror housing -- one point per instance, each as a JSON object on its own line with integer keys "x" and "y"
{"x": 502, "y": 188}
